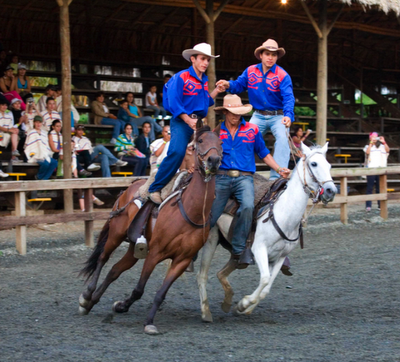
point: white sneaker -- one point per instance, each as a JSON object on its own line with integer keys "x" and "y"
{"x": 161, "y": 123}
{"x": 121, "y": 163}
{"x": 3, "y": 174}
{"x": 93, "y": 167}
{"x": 113, "y": 141}
{"x": 97, "y": 201}
{"x": 15, "y": 153}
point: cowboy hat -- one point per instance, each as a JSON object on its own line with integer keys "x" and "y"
{"x": 233, "y": 104}
{"x": 270, "y": 45}
{"x": 202, "y": 48}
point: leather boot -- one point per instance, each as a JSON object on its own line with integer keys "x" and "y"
{"x": 285, "y": 267}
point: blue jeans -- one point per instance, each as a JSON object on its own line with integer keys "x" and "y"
{"x": 139, "y": 164}
{"x": 154, "y": 125}
{"x": 281, "y": 147}
{"x": 46, "y": 168}
{"x": 180, "y": 137}
{"x": 371, "y": 181}
{"x": 118, "y": 126}
{"x": 158, "y": 110}
{"x": 242, "y": 188}
{"x": 103, "y": 156}
{"x": 72, "y": 118}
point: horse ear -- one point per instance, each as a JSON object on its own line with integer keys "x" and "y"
{"x": 305, "y": 149}
{"x": 199, "y": 123}
{"x": 325, "y": 148}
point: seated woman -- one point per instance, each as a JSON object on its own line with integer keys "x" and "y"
{"x": 22, "y": 80}
{"x": 37, "y": 150}
{"x": 298, "y": 136}
{"x": 124, "y": 115}
{"x": 87, "y": 154}
{"x": 9, "y": 86}
{"x": 125, "y": 147}
{"x": 138, "y": 119}
{"x": 103, "y": 116}
{"x": 8, "y": 133}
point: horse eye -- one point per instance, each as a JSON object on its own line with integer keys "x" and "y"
{"x": 200, "y": 141}
{"x": 313, "y": 164}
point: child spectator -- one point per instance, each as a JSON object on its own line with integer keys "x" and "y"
{"x": 50, "y": 114}
{"x": 19, "y": 121}
{"x": 143, "y": 141}
{"x": 125, "y": 115}
{"x": 48, "y": 92}
{"x": 7, "y": 131}
{"x": 151, "y": 102}
{"x": 37, "y": 150}
{"x": 126, "y": 149}
{"x": 9, "y": 87}
{"x": 87, "y": 154}
{"x": 23, "y": 82}
{"x": 103, "y": 116}
{"x": 30, "y": 112}
{"x": 138, "y": 119}
{"x": 159, "y": 149}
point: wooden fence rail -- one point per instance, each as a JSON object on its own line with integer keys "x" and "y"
{"x": 21, "y": 221}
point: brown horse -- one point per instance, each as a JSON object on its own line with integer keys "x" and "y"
{"x": 181, "y": 230}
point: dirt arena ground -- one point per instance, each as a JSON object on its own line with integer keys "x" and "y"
{"x": 342, "y": 304}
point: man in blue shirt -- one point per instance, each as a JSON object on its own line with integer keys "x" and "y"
{"x": 240, "y": 140}
{"x": 186, "y": 97}
{"x": 271, "y": 94}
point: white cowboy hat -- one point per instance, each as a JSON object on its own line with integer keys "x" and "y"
{"x": 270, "y": 45}
{"x": 233, "y": 104}
{"x": 202, "y": 48}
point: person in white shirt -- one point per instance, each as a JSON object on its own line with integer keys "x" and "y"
{"x": 7, "y": 130}
{"x": 159, "y": 149}
{"x": 151, "y": 102}
{"x": 74, "y": 113}
{"x": 48, "y": 92}
{"x": 377, "y": 152}
{"x": 50, "y": 114}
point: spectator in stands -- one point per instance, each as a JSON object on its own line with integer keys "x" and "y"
{"x": 9, "y": 86}
{"x": 74, "y": 113}
{"x": 377, "y": 152}
{"x": 37, "y": 150}
{"x": 128, "y": 152}
{"x": 14, "y": 63}
{"x": 167, "y": 77}
{"x": 143, "y": 141}
{"x": 7, "y": 131}
{"x": 87, "y": 154}
{"x": 30, "y": 112}
{"x": 19, "y": 122}
{"x": 2, "y": 173}
{"x": 125, "y": 115}
{"x": 48, "y": 92}
{"x": 22, "y": 80}
{"x": 50, "y": 114}
{"x": 55, "y": 140}
{"x": 159, "y": 149}
{"x": 151, "y": 102}
{"x": 298, "y": 136}
{"x": 136, "y": 114}
{"x": 103, "y": 116}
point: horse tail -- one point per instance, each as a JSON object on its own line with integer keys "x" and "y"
{"x": 91, "y": 263}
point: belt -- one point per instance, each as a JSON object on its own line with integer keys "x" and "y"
{"x": 234, "y": 173}
{"x": 279, "y": 112}
{"x": 194, "y": 116}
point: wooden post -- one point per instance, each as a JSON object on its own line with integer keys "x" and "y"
{"x": 89, "y": 240}
{"x": 212, "y": 78}
{"x": 20, "y": 210}
{"x": 383, "y": 190}
{"x": 66, "y": 98}
{"x": 344, "y": 216}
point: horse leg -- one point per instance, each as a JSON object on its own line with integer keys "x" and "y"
{"x": 222, "y": 275}
{"x": 176, "y": 270}
{"x": 150, "y": 263}
{"x": 202, "y": 276}
{"x": 126, "y": 263}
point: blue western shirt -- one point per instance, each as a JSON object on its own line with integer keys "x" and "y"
{"x": 270, "y": 91}
{"x": 238, "y": 153}
{"x": 186, "y": 93}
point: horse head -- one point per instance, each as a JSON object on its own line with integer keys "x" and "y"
{"x": 208, "y": 150}
{"x": 316, "y": 173}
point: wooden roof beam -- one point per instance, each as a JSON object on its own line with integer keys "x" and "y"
{"x": 233, "y": 25}
{"x": 115, "y": 12}
{"x": 167, "y": 17}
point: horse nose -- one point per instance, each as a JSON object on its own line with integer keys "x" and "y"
{"x": 213, "y": 161}
{"x": 330, "y": 191}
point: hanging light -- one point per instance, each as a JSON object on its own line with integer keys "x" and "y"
{"x": 283, "y": 1}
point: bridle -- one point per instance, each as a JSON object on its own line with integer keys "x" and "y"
{"x": 202, "y": 163}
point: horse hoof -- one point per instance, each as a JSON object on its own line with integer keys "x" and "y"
{"x": 207, "y": 318}
{"x": 236, "y": 312}
{"x": 151, "y": 329}
{"x": 226, "y": 307}
{"x": 83, "y": 302}
{"x": 83, "y": 311}
{"x": 117, "y": 307}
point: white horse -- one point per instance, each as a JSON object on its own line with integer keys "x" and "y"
{"x": 310, "y": 178}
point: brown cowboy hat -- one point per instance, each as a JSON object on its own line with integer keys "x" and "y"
{"x": 233, "y": 104}
{"x": 270, "y": 45}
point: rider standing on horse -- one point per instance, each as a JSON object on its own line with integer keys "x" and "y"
{"x": 271, "y": 94}
{"x": 240, "y": 140}
{"x": 186, "y": 97}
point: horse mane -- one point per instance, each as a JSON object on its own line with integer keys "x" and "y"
{"x": 200, "y": 131}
